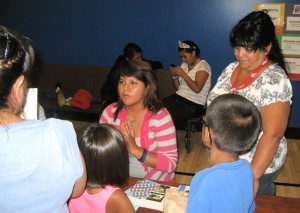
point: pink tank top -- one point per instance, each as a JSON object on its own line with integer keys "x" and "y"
{"x": 92, "y": 203}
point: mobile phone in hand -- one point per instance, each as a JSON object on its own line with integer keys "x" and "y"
{"x": 173, "y": 75}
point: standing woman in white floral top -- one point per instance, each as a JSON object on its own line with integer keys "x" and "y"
{"x": 259, "y": 74}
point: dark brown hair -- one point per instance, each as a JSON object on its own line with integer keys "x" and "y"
{"x": 142, "y": 71}
{"x": 105, "y": 154}
{"x": 16, "y": 58}
{"x": 256, "y": 31}
{"x": 235, "y": 121}
{"x": 193, "y": 47}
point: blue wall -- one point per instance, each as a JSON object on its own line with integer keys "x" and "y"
{"x": 94, "y": 32}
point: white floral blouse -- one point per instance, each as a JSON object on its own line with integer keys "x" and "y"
{"x": 270, "y": 87}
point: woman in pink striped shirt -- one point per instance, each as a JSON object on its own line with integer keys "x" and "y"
{"x": 146, "y": 125}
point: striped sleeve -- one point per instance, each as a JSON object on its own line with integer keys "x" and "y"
{"x": 164, "y": 140}
{"x": 107, "y": 116}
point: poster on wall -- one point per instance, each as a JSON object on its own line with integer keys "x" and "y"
{"x": 292, "y": 18}
{"x": 276, "y": 11}
{"x": 286, "y": 18}
{"x": 293, "y": 65}
{"x": 290, "y": 44}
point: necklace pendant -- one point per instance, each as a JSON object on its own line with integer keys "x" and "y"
{"x": 131, "y": 122}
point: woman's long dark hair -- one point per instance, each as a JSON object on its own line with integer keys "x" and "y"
{"x": 142, "y": 71}
{"x": 256, "y": 31}
{"x": 16, "y": 58}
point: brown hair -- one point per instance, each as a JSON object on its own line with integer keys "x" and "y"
{"x": 142, "y": 71}
{"x": 17, "y": 57}
{"x": 105, "y": 154}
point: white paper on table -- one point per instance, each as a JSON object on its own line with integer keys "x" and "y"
{"x": 30, "y": 108}
{"x": 146, "y": 203}
{"x": 150, "y": 204}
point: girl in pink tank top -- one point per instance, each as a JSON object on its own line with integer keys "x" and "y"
{"x": 107, "y": 164}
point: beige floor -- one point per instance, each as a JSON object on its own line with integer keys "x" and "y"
{"x": 197, "y": 160}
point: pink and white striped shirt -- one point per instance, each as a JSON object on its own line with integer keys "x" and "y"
{"x": 158, "y": 135}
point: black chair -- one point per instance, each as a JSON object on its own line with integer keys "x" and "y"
{"x": 193, "y": 125}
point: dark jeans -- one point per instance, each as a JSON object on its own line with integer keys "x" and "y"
{"x": 266, "y": 185}
{"x": 182, "y": 109}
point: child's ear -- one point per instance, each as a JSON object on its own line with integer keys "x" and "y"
{"x": 208, "y": 136}
{"x": 205, "y": 136}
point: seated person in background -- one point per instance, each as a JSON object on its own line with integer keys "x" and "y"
{"x": 192, "y": 81}
{"x": 106, "y": 157}
{"x": 146, "y": 125}
{"x": 109, "y": 92}
{"x": 231, "y": 126}
{"x": 40, "y": 162}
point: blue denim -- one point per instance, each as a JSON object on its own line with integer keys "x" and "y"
{"x": 266, "y": 185}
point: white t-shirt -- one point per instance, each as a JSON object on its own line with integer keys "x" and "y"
{"x": 185, "y": 91}
{"x": 39, "y": 164}
{"x": 270, "y": 87}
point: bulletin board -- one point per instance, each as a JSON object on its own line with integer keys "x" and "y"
{"x": 286, "y": 18}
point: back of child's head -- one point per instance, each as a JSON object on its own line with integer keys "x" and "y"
{"x": 105, "y": 153}
{"x": 235, "y": 122}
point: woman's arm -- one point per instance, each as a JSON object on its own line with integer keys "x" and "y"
{"x": 165, "y": 138}
{"x": 198, "y": 84}
{"x": 176, "y": 82}
{"x": 175, "y": 77}
{"x": 119, "y": 203}
{"x": 200, "y": 79}
{"x": 80, "y": 183}
{"x": 274, "y": 122}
